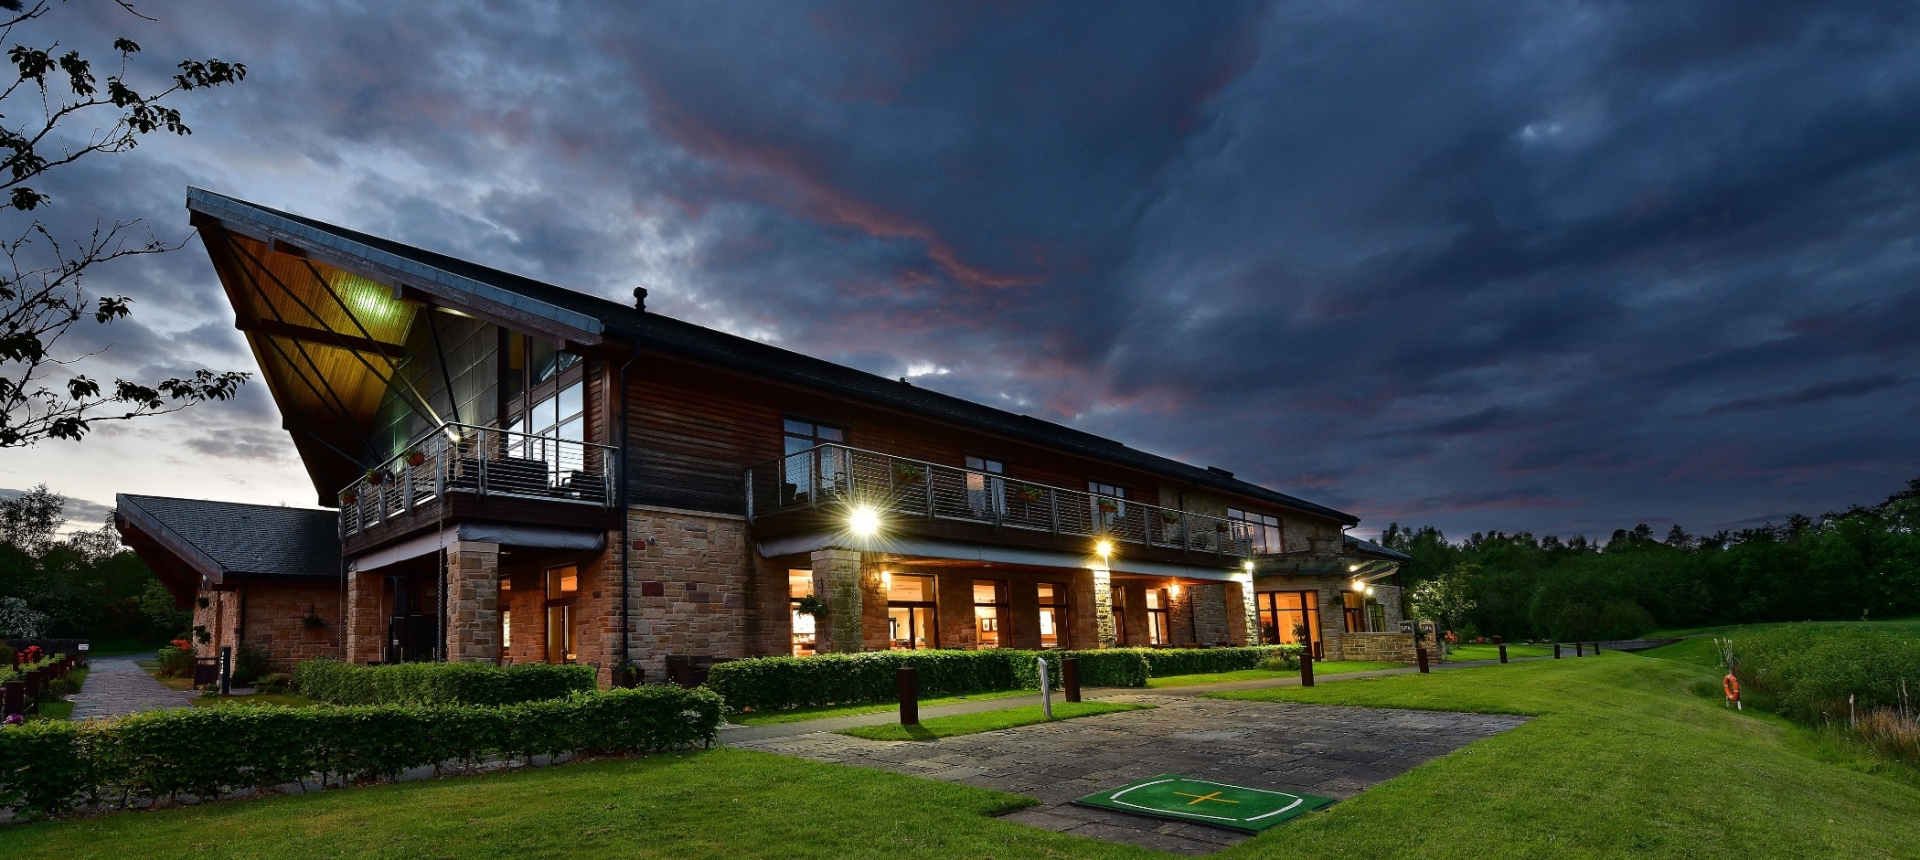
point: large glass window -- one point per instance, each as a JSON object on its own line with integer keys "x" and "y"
{"x": 1109, "y": 503}
{"x": 1053, "y": 615}
{"x": 1158, "y": 633}
{"x": 1261, "y": 532}
{"x": 563, "y": 585}
{"x": 1119, "y": 597}
{"x": 989, "y": 612}
{"x": 1290, "y": 617}
{"x": 986, "y": 493}
{"x": 808, "y": 465}
{"x": 1355, "y": 603}
{"x": 506, "y": 615}
{"x": 800, "y": 587}
{"x": 910, "y": 612}
{"x": 544, "y": 395}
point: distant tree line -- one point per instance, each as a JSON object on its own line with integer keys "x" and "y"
{"x": 1861, "y": 563}
{"x": 86, "y": 585}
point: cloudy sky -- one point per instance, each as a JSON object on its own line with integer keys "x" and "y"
{"x": 1548, "y": 266}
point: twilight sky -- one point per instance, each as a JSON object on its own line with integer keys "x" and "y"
{"x": 1548, "y": 266}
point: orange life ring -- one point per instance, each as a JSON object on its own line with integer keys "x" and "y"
{"x": 1731, "y": 686}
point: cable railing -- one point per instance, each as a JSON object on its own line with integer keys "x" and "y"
{"x": 827, "y": 476}
{"x": 485, "y": 461}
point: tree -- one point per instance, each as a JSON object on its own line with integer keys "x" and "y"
{"x": 20, "y": 621}
{"x": 1444, "y": 599}
{"x": 41, "y": 291}
{"x": 28, "y": 521}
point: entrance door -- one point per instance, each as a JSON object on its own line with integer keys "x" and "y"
{"x": 1290, "y": 617}
{"x": 1356, "y": 610}
{"x": 910, "y": 612}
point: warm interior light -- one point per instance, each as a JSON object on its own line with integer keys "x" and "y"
{"x": 864, "y": 522}
{"x": 886, "y": 579}
{"x": 1173, "y": 590}
{"x": 1247, "y": 566}
{"x": 1359, "y": 586}
{"x": 1103, "y": 548}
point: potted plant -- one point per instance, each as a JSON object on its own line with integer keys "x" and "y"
{"x": 349, "y": 497}
{"x": 415, "y": 458}
{"x": 1221, "y": 527}
{"x": 313, "y": 621}
{"x": 1108, "y": 506}
{"x": 907, "y": 473}
{"x": 375, "y": 477}
{"x": 811, "y": 605}
{"x": 1169, "y": 518}
{"x": 1031, "y": 493}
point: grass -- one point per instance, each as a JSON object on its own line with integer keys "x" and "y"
{"x": 172, "y": 683}
{"x": 986, "y": 721}
{"x": 1465, "y": 653}
{"x": 768, "y": 718}
{"x": 283, "y": 700}
{"x": 1909, "y": 626}
{"x": 1320, "y": 668}
{"x": 50, "y": 710}
{"x": 1622, "y": 759}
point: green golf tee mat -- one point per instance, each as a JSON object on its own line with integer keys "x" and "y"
{"x": 1200, "y": 801}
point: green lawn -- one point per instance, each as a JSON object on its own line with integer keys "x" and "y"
{"x": 152, "y": 668}
{"x": 1466, "y": 653}
{"x": 1909, "y": 626}
{"x": 986, "y": 721}
{"x": 768, "y": 718}
{"x": 1320, "y": 668}
{"x": 50, "y": 710}
{"x": 1622, "y": 760}
{"x": 283, "y": 700}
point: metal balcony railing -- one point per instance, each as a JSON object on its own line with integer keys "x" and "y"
{"x": 486, "y": 461}
{"x": 838, "y": 476}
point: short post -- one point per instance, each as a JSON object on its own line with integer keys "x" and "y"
{"x": 1503, "y": 648}
{"x": 1421, "y": 657}
{"x": 13, "y": 698}
{"x": 226, "y": 670}
{"x": 1070, "y": 677}
{"x": 1579, "y": 649}
{"x": 1306, "y": 667}
{"x": 1556, "y": 650}
{"x": 909, "y": 697}
{"x": 1596, "y": 649}
{"x": 1046, "y": 689}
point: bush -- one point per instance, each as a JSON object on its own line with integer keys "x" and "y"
{"x": 176, "y": 662}
{"x": 337, "y": 683}
{"x": 249, "y": 663}
{"x": 1168, "y": 662}
{"x": 1808, "y": 673}
{"x": 277, "y": 682}
{"x": 6, "y": 656}
{"x": 47, "y": 767}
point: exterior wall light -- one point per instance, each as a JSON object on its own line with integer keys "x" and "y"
{"x": 864, "y": 522}
{"x": 1247, "y": 565}
{"x": 1359, "y": 586}
{"x": 1103, "y": 548}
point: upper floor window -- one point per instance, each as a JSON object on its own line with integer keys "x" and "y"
{"x": 807, "y": 468}
{"x": 545, "y": 393}
{"x": 1109, "y": 502}
{"x": 986, "y": 491}
{"x": 801, "y": 434}
{"x": 1261, "y": 532}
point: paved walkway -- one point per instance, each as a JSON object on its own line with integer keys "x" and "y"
{"x": 1325, "y": 750}
{"x": 115, "y": 686}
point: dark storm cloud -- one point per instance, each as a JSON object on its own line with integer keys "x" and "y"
{"x": 1556, "y": 266}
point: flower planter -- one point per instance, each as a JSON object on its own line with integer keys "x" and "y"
{"x": 415, "y": 458}
{"x": 1032, "y": 494}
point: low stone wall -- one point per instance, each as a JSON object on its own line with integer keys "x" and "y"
{"x": 1381, "y": 647}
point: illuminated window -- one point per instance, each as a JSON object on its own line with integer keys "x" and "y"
{"x": 986, "y": 492}
{"x": 1261, "y": 532}
{"x": 1109, "y": 503}
{"x": 1289, "y": 618}
{"x": 563, "y": 584}
{"x": 910, "y": 612}
{"x": 989, "y": 611}
{"x": 1053, "y": 615}
{"x": 506, "y": 615}
{"x": 809, "y": 465}
{"x": 1157, "y": 629}
{"x": 799, "y": 586}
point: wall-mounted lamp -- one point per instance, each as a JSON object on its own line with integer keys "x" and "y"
{"x": 863, "y": 522}
{"x": 1247, "y": 565}
{"x": 1173, "y": 590}
{"x": 1103, "y": 548}
{"x": 1359, "y": 586}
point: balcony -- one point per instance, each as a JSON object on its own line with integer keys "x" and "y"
{"x": 457, "y": 462}
{"x": 817, "y": 487}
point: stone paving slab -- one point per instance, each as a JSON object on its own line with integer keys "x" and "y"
{"x": 116, "y": 687}
{"x": 1327, "y": 750}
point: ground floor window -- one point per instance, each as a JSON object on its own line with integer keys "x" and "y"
{"x": 1053, "y": 615}
{"x": 506, "y": 615}
{"x": 563, "y": 584}
{"x": 1355, "y": 603}
{"x": 1290, "y": 617}
{"x": 1119, "y": 597}
{"x": 800, "y": 587}
{"x": 910, "y": 612}
{"x": 1158, "y": 633}
{"x": 989, "y": 612}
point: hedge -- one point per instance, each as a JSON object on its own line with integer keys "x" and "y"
{"x": 337, "y": 683}
{"x": 47, "y": 767}
{"x": 778, "y": 683}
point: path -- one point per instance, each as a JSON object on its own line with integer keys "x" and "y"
{"x": 115, "y": 687}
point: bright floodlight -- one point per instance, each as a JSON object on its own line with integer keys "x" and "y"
{"x": 864, "y": 522}
{"x": 1103, "y": 548}
{"x": 1247, "y": 565}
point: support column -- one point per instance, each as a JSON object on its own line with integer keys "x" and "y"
{"x": 473, "y": 602}
{"x": 836, "y": 581}
{"x": 1243, "y": 627}
{"x": 1101, "y": 582}
{"x": 1211, "y": 613}
{"x": 1180, "y": 614}
{"x": 366, "y": 617}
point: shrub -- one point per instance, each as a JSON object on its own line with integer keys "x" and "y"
{"x": 47, "y": 767}
{"x": 1164, "y": 663}
{"x": 1808, "y": 673}
{"x": 6, "y": 656}
{"x": 276, "y": 682}
{"x": 249, "y": 663}
{"x": 176, "y": 661}
{"x": 337, "y": 683}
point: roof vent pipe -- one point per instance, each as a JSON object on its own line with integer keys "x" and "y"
{"x": 640, "y": 298}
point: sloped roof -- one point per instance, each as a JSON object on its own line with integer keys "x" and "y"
{"x": 653, "y": 331}
{"x": 222, "y": 539}
{"x": 1369, "y": 549}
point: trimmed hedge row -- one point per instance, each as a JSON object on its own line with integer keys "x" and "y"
{"x": 779, "y": 683}
{"x": 337, "y": 683}
{"x": 47, "y": 767}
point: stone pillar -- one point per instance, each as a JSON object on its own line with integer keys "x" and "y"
{"x": 1210, "y": 613}
{"x": 1137, "y": 633}
{"x": 836, "y": 581}
{"x": 1101, "y": 587}
{"x": 1243, "y": 625}
{"x": 473, "y": 602}
{"x": 956, "y": 610}
{"x": 873, "y": 604}
{"x": 1180, "y": 614}
{"x": 366, "y": 625}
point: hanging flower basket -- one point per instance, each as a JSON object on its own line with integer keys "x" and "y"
{"x": 313, "y": 621}
{"x": 376, "y": 477}
{"x": 811, "y": 605}
{"x": 415, "y": 458}
{"x": 1108, "y": 506}
{"x": 1031, "y": 493}
{"x": 907, "y": 473}
{"x": 1169, "y": 518}
{"x": 1220, "y": 527}
{"x": 349, "y": 497}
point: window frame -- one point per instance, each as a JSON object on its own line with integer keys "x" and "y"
{"x": 1060, "y": 605}
{"x": 1001, "y": 607}
{"x": 1247, "y": 523}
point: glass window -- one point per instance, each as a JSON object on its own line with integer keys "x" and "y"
{"x": 1355, "y": 604}
{"x": 986, "y": 494}
{"x": 1158, "y": 633}
{"x": 1053, "y": 615}
{"x": 1289, "y": 617}
{"x": 800, "y": 585}
{"x": 1119, "y": 597}
{"x": 1261, "y": 532}
{"x": 543, "y": 361}
{"x": 910, "y": 611}
{"x": 1109, "y": 502}
{"x": 807, "y": 467}
{"x": 989, "y": 611}
{"x": 563, "y": 584}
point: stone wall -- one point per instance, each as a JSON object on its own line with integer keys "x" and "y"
{"x": 366, "y": 624}
{"x": 1382, "y": 647}
{"x": 1210, "y": 615}
{"x": 273, "y": 619}
{"x": 473, "y": 605}
{"x": 700, "y": 566}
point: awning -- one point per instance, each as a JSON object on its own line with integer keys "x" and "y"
{"x": 505, "y": 534}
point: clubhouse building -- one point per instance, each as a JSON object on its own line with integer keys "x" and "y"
{"x": 509, "y": 471}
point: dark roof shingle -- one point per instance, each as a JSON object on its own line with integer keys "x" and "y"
{"x": 248, "y": 540}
